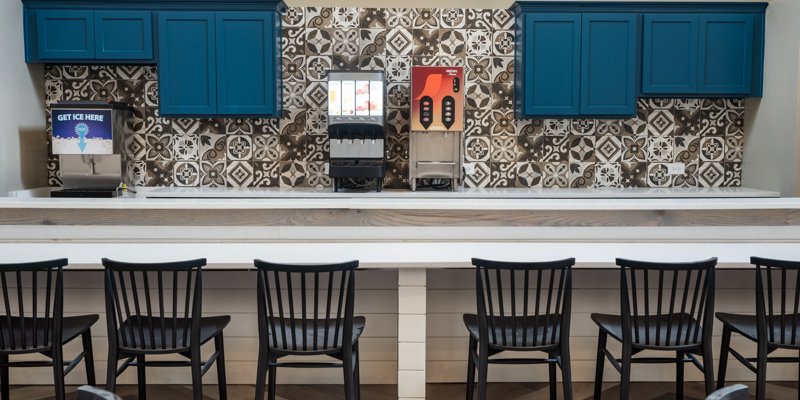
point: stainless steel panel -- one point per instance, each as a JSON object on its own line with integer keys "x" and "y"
{"x": 436, "y": 155}
{"x": 356, "y": 148}
{"x": 98, "y": 171}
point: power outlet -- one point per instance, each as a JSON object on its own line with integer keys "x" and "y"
{"x": 677, "y": 168}
{"x": 326, "y": 169}
{"x": 469, "y": 169}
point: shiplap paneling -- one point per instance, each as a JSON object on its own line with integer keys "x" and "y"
{"x": 233, "y": 293}
{"x": 451, "y": 293}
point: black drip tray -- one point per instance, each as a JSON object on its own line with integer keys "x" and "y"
{"x": 99, "y": 193}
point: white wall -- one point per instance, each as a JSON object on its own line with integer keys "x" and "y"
{"x": 770, "y": 158}
{"x": 22, "y": 117}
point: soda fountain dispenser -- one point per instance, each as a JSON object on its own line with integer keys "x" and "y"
{"x": 356, "y": 126}
{"x": 436, "y": 146}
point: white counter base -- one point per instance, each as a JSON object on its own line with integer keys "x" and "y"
{"x": 414, "y": 330}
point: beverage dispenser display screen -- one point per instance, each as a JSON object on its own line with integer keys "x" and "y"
{"x": 82, "y": 131}
{"x": 350, "y": 97}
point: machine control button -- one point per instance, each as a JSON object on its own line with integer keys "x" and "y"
{"x": 448, "y": 111}
{"x": 426, "y": 111}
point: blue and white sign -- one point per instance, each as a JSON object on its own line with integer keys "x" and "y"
{"x": 79, "y": 131}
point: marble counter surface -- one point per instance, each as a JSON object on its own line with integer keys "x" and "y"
{"x": 465, "y": 199}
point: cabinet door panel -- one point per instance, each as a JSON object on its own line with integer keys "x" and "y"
{"x": 65, "y": 34}
{"x": 187, "y": 64}
{"x": 124, "y": 35}
{"x": 551, "y": 64}
{"x": 608, "y": 64}
{"x": 726, "y": 54}
{"x": 669, "y": 62}
{"x": 246, "y": 63}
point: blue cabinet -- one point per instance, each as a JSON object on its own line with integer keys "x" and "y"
{"x": 88, "y": 36}
{"x": 593, "y": 58}
{"x": 65, "y": 34}
{"x": 246, "y": 63}
{"x": 576, "y": 64}
{"x": 218, "y": 63}
{"x": 608, "y": 64}
{"x": 669, "y": 64}
{"x": 187, "y": 63}
{"x": 702, "y": 54}
{"x": 726, "y": 54}
{"x": 550, "y": 64}
{"x": 124, "y": 35}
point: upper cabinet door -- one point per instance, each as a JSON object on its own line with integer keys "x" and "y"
{"x": 551, "y": 64}
{"x": 726, "y": 54}
{"x": 246, "y": 63}
{"x": 124, "y": 35}
{"x": 187, "y": 63}
{"x": 65, "y": 34}
{"x": 669, "y": 64}
{"x": 608, "y": 64}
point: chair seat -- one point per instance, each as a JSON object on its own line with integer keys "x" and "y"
{"x": 71, "y": 327}
{"x": 209, "y": 328}
{"x": 747, "y": 326}
{"x": 522, "y": 327}
{"x": 309, "y": 333}
{"x": 668, "y": 335}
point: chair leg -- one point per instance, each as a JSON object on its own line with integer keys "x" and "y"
{"x": 473, "y": 344}
{"x": 222, "y": 382}
{"x": 357, "y": 376}
{"x": 566, "y": 371}
{"x": 724, "y": 350}
{"x": 708, "y": 367}
{"x": 111, "y": 370}
{"x": 601, "y": 358}
{"x": 197, "y": 375}
{"x": 348, "y": 376}
{"x": 553, "y": 380}
{"x": 58, "y": 372}
{"x": 88, "y": 360}
{"x": 761, "y": 372}
{"x": 483, "y": 375}
{"x": 4, "y": 383}
{"x": 272, "y": 381}
{"x": 261, "y": 374}
{"x": 679, "y": 374}
{"x": 625, "y": 381}
{"x": 142, "y": 379}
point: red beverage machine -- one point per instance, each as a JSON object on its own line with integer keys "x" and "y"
{"x": 437, "y": 124}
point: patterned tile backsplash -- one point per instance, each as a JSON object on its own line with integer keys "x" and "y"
{"x": 705, "y": 134}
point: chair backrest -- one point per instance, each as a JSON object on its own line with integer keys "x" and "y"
{"x": 778, "y": 300}
{"x": 306, "y": 308}
{"x": 92, "y": 393}
{"x": 735, "y": 392}
{"x": 32, "y": 303}
{"x": 667, "y": 304}
{"x": 153, "y": 306}
{"x": 523, "y": 304}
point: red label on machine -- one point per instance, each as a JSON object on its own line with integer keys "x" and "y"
{"x": 437, "y": 99}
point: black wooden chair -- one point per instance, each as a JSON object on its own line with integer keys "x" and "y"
{"x": 156, "y": 309}
{"x": 665, "y": 307}
{"x": 776, "y": 324}
{"x": 307, "y": 310}
{"x": 522, "y": 307}
{"x": 34, "y": 322}
{"x": 735, "y": 392}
